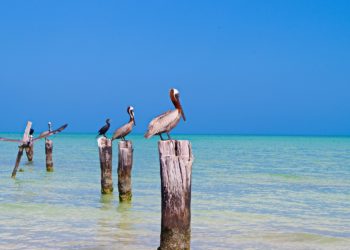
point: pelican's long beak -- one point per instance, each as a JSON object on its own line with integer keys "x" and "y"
{"x": 133, "y": 117}
{"x": 183, "y": 114}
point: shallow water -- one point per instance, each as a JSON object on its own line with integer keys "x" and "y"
{"x": 247, "y": 193}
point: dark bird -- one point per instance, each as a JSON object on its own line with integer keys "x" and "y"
{"x": 165, "y": 122}
{"x": 104, "y": 129}
{"x": 126, "y": 128}
{"x": 31, "y": 132}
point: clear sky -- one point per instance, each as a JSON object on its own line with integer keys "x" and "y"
{"x": 242, "y": 67}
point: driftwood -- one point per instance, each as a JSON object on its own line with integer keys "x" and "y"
{"x": 23, "y": 144}
{"x": 30, "y": 151}
{"x": 105, "y": 153}
{"x": 48, "y": 153}
{"x": 125, "y": 160}
{"x": 175, "y": 172}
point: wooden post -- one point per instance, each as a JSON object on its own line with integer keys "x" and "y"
{"x": 125, "y": 159}
{"x": 30, "y": 151}
{"x": 23, "y": 144}
{"x": 48, "y": 152}
{"x": 18, "y": 160}
{"x": 105, "y": 153}
{"x": 175, "y": 172}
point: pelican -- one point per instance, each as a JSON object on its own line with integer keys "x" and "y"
{"x": 126, "y": 128}
{"x": 104, "y": 129}
{"x": 165, "y": 122}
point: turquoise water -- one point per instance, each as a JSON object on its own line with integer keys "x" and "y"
{"x": 247, "y": 193}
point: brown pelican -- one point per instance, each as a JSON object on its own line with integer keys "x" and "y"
{"x": 168, "y": 120}
{"x": 104, "y": 129}
{"x": 126, "y": 128}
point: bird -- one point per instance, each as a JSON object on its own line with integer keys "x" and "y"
{"x": 104, "y": 129}
{"x": 126, "y": 128}
{"x": 31, "y": 132}
{"x": 165, "y": 122}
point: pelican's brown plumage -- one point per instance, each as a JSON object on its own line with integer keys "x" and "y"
{"x": 126, "y": 128}
{"x": 165, "y": 122}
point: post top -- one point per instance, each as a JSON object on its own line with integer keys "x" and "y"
{"x": 175, "y": 148}
{"x": 125, "y": 144}
{"x": 104, "y": 142}
{"x": 26, "y": 132}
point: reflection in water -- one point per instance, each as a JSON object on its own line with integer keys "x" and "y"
{"x": 115, "y": 223}
{"x": 106, "y": 201}
{"x": 29, "y": 163}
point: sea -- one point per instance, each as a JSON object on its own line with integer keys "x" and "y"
{"x": 248, "y": 192}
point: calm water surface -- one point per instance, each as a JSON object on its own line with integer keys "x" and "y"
{"x": 247, "y": 193}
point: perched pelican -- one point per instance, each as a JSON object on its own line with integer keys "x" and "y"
{"x": 168, "y": 120}
{"x": 104, "y": 129}
{"x": 126, "y": 128}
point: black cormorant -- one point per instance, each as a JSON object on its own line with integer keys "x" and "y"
{"x": 104, "y": 129}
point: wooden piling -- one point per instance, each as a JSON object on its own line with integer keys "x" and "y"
{"x": 48, "y": 153}
{"x": 175, "y": 172}
{"x": 125, "y": 160}
{"x": 18, "y": 160}
{"x": 30, "y": 151}
{"x": 23, "y": 144}
{"x": 105, "y": 153}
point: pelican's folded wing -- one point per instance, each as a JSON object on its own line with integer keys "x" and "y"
{"x": 161, "y": 122}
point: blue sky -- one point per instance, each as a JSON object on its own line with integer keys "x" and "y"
{"x": 242, "y": 67}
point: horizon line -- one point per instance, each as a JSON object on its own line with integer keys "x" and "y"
{"x": 221, "y": 134}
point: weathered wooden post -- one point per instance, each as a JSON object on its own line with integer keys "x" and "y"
{"x": 175, "y": 172}
{"x": 30, "y": 149}
{"x": 23, "y": 144}
{"x": 105, "y": 153}
{"x": 48, "y": 153}
{"x": 125, "y": 160}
